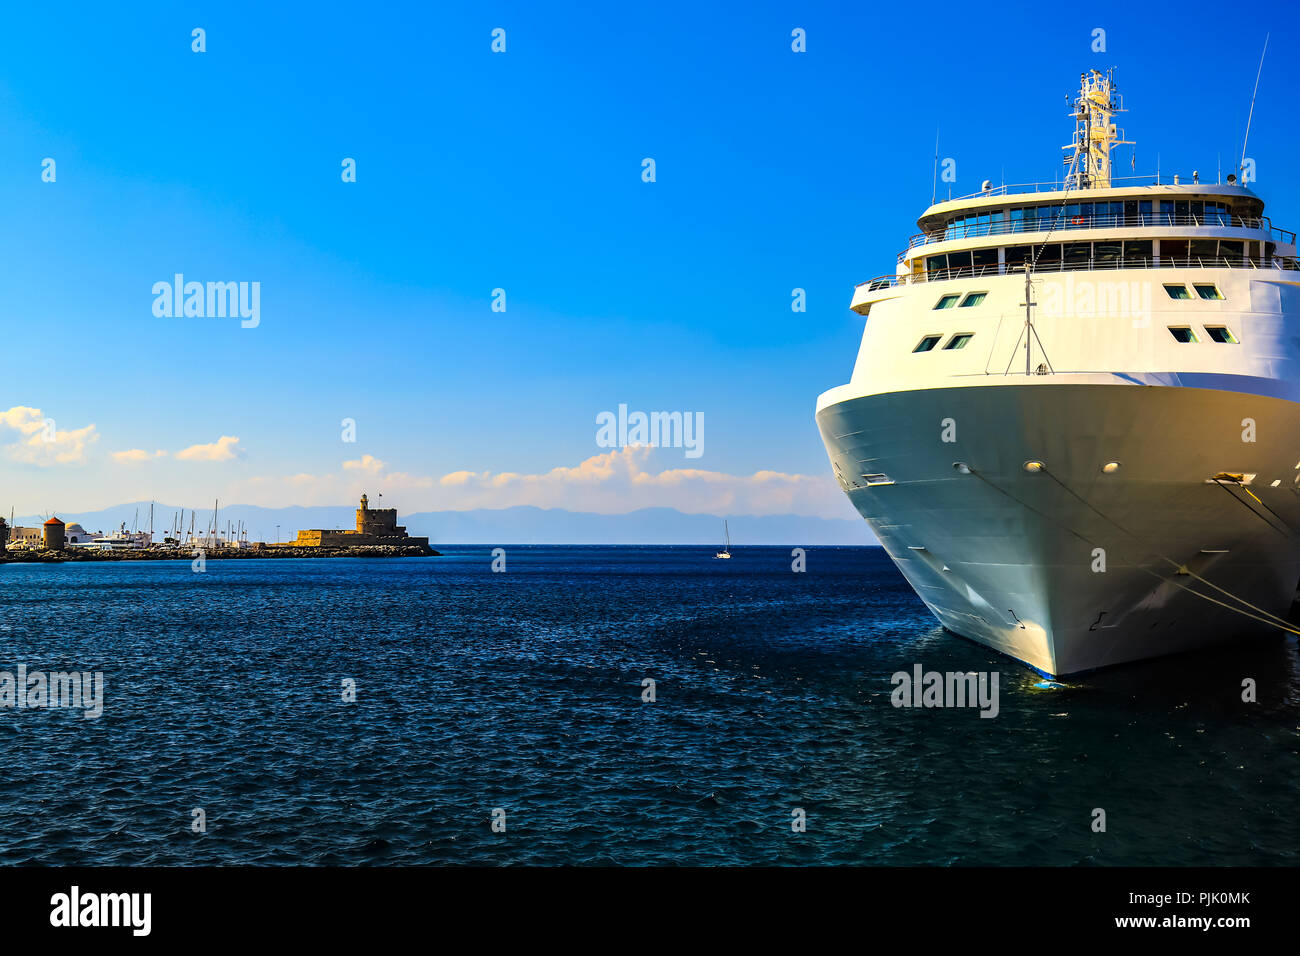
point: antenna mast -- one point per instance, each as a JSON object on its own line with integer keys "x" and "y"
{"x": 1251, "y": 115}
{"x": 1094, "y": 133}
{"x": 934, "y": 190}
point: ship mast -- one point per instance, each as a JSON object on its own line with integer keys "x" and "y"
{"x": 1029, "y": 317}
{"x": 1095, "y": 135}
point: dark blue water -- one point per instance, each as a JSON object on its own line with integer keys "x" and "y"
{"x": 522, "y": 691}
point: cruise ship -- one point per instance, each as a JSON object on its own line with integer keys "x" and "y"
{"x": 1074, "y": 419}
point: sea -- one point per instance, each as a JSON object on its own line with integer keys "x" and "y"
{"x": 530, "y": 705}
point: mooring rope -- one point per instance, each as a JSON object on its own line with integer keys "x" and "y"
{"x": 1224, "y": 485}
{"x": 1270, "y": 618}
{"x": 1170, "y": 561}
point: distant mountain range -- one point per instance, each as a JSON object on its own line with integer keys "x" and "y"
{"x": 519, "y": 525}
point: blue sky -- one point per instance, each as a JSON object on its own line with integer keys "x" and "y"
{"x": 522, "y": 171}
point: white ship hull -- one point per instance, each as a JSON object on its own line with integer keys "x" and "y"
{"x": 1073, "y": 568}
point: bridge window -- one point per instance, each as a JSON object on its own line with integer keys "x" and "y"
{"x": 974, "y": 299}
{"x": 927, "y": 343}
{"x": 1172, "y": 250}
{"x": 1107, "y": 254}
{"x": 948, "y": 301}
{"x": 1077, "y": 255}
{"x": 1221, "y": 334}
{"x": 1182, "y": 334}
{"x": 1209, "y": 292}
{"x": 1178, "y": 292}
{"x": 1232, "y": 250}
{"x": 1016, "y": 256}
{"x": 959, "y": 341}
{"x": 1137, "y": 252}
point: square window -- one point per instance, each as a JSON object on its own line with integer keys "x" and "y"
{"x": 959, "y": 341}
{"x": 948, "y": 301}
{"x": 1209, "y": 292}
{"x": 1178, "y": 292}
{"x": 1172, "y": 250}
{"x": 1137, "y": 252}
{"x": 1107, "y": 254}
{"x": 1221, "y": 334}
{"x": 1182, "y": 334}
{"x": 927, "y": 343}
{"x": 973, "y": 299}
{"x": 1078, "y": 255}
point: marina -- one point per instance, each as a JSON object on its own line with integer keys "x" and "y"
{"x": 377, "y": 535}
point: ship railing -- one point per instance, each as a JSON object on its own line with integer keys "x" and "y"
{"x": 1057, "y": 185}
{"x": 1004, "y": 227}
{"x": 1275, "y": 263}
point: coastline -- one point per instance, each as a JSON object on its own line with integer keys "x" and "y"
{"x": 216, "y": 554}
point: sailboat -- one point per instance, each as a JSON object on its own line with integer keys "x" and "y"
{"x": 726, "y": 551}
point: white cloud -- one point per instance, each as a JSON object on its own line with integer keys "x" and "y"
{"x": 42, "y": 442}
{"x": 134, "y": 456}
{"x": 611, "y": 483}
{"x": 225, "y": 448}
{"x": 367, "y": 463}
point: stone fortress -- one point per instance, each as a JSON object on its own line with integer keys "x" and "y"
{"x": 375, "y": 526}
